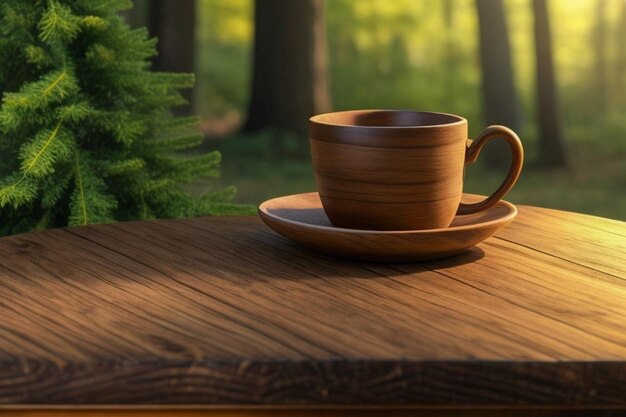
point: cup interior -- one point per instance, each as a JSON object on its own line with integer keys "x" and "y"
{"x": 387, "y": 118}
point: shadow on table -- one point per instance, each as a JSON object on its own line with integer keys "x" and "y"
{"x": 325, "y": 266}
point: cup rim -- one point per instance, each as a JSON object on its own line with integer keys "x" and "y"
{"x": 457, "y": 120}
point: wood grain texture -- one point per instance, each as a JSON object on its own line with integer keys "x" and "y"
{"x": 301, "y": 218}
{"x": 223, "y": 312}
{"x": 399, "y": 170}
{"x": 313, "y": 413}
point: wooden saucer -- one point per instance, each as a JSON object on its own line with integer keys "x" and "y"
{"x": 301, "y": 218}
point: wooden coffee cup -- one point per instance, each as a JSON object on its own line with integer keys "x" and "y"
{"x": 399, "y": 170}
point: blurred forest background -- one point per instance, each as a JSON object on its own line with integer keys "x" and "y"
{"x": 553, "y": 70}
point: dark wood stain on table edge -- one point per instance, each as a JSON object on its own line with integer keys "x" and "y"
{"x": 330, "y": 382}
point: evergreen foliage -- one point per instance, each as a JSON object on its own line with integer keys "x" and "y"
{"x": 86, "y": 135}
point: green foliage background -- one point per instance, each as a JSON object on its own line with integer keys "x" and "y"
{"x": 86, "y": 135}
{"x": 408, "y": 54}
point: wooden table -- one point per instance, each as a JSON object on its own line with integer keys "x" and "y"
{"x": 225, "y": 318}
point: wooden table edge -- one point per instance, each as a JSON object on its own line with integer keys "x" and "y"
{"x": 581, "y": 383}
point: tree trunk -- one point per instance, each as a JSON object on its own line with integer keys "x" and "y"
{"x": 620, "y": 62}
{"x": 448, "y": 12}
{"x": 600, "y": 48}
{"x": 172, "y": 22}
{"x": 551, "y": 149}
{"x": 499, "y": 95}
{"x": 289, "y": 80}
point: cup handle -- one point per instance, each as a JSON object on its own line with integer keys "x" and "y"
{"x": 517, "y": 152}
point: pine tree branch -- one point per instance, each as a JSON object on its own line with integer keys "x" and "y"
{"x": 81, "y": 189}
{"x": 54, "y": 83}
{"x": 58, "y": 23}
{"x": 89, "y": 202}
{"x": 87, "y": 133}
{"x": 144, "y": 206}
{"x": 19, "y": 192}
{"x": 124, "y": 166}
{"x": 53, "y": 87}
{"x": 53, "y": 135}
{"x": 6, "y": 191}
